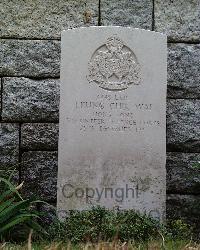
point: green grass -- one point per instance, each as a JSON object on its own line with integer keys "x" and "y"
{"x": 103, "y": 224}
{"x": 98, "y": 228}
{"x": 104, "y": 229}
{"x": 151, "y": 245}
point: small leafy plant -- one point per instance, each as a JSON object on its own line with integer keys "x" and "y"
{"x": 15, "y": 211}
{"x": 178, "y": 229}
{"x": 103, "y": 224}
{"x": 100, "y": 224}
{"x": 196, "y": 165}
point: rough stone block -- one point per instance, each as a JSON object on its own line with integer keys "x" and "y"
{"x": 45, "y": 19}
{"x": 183, "y": 125}
{"x": 0, "y": 96}
{"x": 39, "y": 136}
{"x": 183, "y": 173}
{"x": 27, "y": 100}
{"x": 137, "y": 14}
{"x": 49, "y": 214}
{"x": 185, "y": 207}
{"x": 29, "y": 58}
{"x": 183, "y": 71}
{"x": 9, "y": 146}
{"x": 39, "y": 173}
{"x": 178, "y": 19}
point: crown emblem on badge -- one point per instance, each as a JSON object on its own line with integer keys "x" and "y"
{"x": 114, "y": 66}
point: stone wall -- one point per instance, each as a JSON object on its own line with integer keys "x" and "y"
{"x": 29, "y": 72}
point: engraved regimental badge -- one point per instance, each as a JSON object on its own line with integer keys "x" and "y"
{"x": 114, "y": 66}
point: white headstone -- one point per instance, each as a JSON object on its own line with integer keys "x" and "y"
{"x": 112, "y": 139}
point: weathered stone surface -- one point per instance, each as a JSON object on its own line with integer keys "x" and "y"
{"x": 183, "y": 71}
{"x": 45, "y": 19}
{"x": 183, "y": 173}
{"x": 30, "y": 100}
{"x": 178, "y": 19}
{"x": 137, "y": 14}
{"x": 29, "y": 58}
{"x": 185, "y": 207}
{"x": 49, "y": 214}
{"x": 183, "y": 125}
{"x": 9, "y": 152}
{"x": 39, "y": 173}
{"x": 36, "y": 136}
{"x": 0, "y": 96}
{"x": 9, "y": 146}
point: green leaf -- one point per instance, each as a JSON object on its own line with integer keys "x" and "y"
{"x": 12, "y": 210}
{"x": 11, "y": 187}
{"x": 4, "y": 195}
{"x": 18, "y": 219}
{"x": 6, "y": 204}
{"x": 35, "y": 226}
